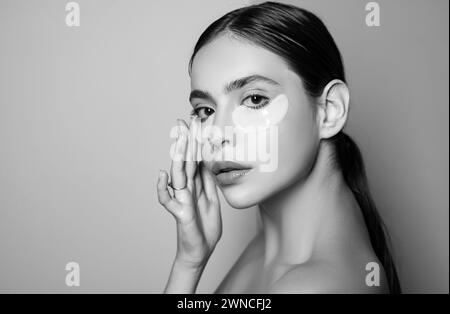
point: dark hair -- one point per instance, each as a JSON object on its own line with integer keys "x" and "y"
{"x": 305, "y": 44}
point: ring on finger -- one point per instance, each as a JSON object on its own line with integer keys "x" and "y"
{"x": 177, "y": 189}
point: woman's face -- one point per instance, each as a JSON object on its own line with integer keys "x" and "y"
{"x": 255, "y": 113}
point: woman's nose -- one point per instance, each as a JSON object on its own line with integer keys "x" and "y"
{"x": 222, "y": 130}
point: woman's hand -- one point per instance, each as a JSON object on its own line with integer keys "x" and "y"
{"x": 195, "y": 206}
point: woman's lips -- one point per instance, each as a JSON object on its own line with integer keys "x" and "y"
{"x": 228, "y": 172}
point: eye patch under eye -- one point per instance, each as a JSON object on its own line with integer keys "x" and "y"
{"x": 272, "y": 114}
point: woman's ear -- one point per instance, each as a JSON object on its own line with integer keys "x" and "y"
{"x": 333, "y": 108}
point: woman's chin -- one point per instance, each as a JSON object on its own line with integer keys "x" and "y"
{"x": 238, "y": 197}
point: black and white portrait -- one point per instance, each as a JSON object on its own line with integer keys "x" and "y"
{"x": 224, "y": 147}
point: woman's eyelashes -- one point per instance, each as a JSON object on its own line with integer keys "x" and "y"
{"x": 202, "y": 112}
{"x": 253, "y": 101}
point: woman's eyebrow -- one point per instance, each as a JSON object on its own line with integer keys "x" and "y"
{"x": 231, "y": 86}
{"x": 196, "y": 93}
{"x": 241, "y": 82}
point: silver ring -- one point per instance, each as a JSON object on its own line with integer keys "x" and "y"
{"x": 177, "y": 189}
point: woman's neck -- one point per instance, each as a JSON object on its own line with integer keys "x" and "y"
{"x": 310, "y": 216}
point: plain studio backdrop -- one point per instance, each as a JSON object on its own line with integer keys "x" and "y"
{"x": 85, "y": 115}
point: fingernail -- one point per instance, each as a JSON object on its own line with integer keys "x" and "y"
{"x": 161, "y": 173}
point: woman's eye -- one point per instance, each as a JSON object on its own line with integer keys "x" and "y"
{"x": 203, "y": 112}
{"x": 256, "y": 101}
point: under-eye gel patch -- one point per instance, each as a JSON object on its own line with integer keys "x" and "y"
{"x": 272, "y": 114}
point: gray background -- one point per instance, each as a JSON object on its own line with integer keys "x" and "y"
{"x": 85, "y": 115}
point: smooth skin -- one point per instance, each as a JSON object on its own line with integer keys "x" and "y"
{"x": 313, "y": 237}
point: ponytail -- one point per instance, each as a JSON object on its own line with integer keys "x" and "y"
{"x": 350, "y": 161}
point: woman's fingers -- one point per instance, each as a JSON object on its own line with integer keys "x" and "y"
{"x": 164, "y": 196}
{"x": 191, "y": 162}
{"x": 209, "y": 185}
{"x": 191, "y": 152}
{"x": 211, "y": 215}
{"x": 198, "y": 184}
{"x": 177, "y": 169}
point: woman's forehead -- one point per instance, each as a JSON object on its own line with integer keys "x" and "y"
{"x": 225, "y": 59}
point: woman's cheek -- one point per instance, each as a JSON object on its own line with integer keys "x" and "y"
{"x": 297, "y": 142}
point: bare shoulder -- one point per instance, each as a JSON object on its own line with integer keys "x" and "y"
{"x": 325, "y": 276}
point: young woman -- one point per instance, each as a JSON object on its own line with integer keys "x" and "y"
{"x": 275, "y": 64}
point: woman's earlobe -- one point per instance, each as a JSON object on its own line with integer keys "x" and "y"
{"x": 334, "y": 106}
